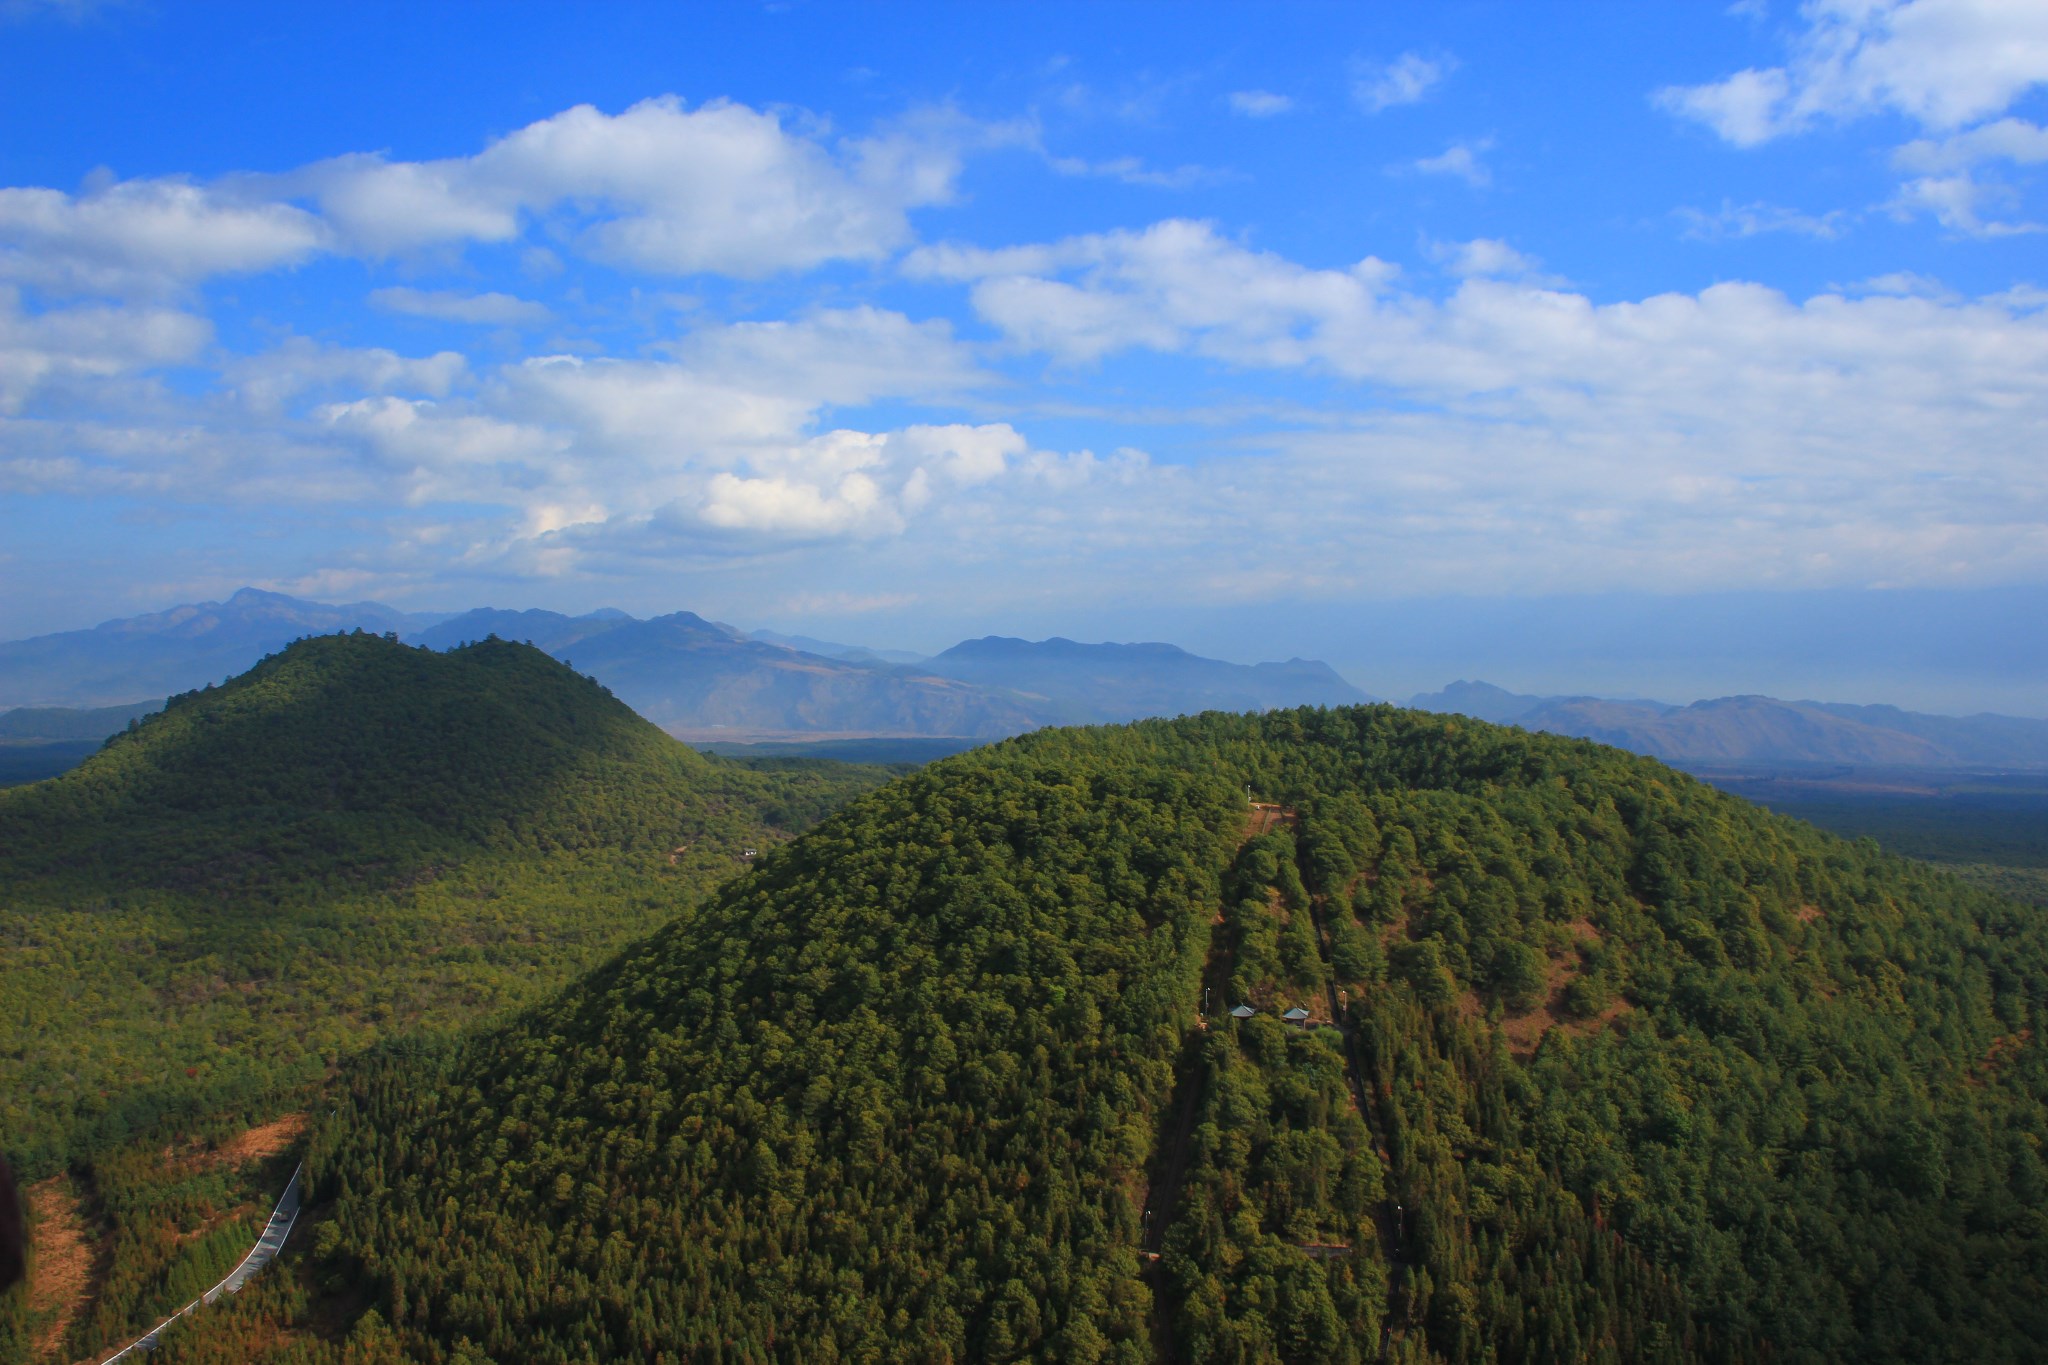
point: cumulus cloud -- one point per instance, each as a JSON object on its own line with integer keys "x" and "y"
{"x": 53, "y": 348}
{"x": 1377, "y": 86}
{"x": 1484, "y": 257}
{"x": 720, "y": 188}
{"x": 1959, "y": 175}
{"x": 1960, "y": 201}
{"x": 1800, "y": 442}
{"x": 1181, "y": 286}
{"x": 2007, "y": 139}
{"x": 1951, "y": 66}
{"x": 144, "y": 236}
{"x": 1943, "y": 63}
{"x": 1461, "y": 160}
{"x": 719, "y": 449}
{"x": 1744, "y": 109}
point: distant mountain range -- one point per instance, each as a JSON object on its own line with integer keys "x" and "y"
{"x": 1761, "y": 730}
{"x": 697, "y": 678}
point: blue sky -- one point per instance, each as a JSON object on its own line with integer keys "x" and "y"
{"x": 1425, "y": 339}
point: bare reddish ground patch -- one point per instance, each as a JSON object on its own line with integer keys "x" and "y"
{"x": 1525, "y": 1031}
{"x": 260, "y": 1143}
{"x": 265, "y": 1140}
{"x": 65, "y": 1263}
{"x": 1807, "y": 914}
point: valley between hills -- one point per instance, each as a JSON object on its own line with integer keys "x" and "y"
{"x": 595, "y": 1047}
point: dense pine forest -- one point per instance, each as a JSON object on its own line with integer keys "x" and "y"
{"x": 1597, "y": 1064}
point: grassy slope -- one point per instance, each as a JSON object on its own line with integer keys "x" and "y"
{"x": 353, "y": 838}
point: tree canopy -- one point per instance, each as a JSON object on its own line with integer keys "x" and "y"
{"x": 1601, "y": 1064}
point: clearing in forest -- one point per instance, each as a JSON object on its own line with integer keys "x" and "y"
{"x": 63, "y": 1261}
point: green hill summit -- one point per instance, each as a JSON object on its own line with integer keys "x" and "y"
{"x": 1463, "y": 1044}
{"x": 355, "y": 836}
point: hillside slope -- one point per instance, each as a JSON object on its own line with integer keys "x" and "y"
{"x": 353, "y": 837}
{"x": 1621, "y": 1068}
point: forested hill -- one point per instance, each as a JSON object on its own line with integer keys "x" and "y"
{"x": 1625, "y": 1069}
{"x": 353, "y": 837}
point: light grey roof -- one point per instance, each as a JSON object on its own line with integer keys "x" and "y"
{"x": 1296, "y": 1013}
{"x": 1243, "y": 1012}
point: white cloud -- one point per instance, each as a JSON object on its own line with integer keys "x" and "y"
{"x": 1744, "y": 109}
{"x": 715, "y": 448}
{"x": 1871, "y": 400}
{"x": 960, "y": 453}
{"x": 1948, "y": 65}
{"x": 1408, "y": 79}
{"x": 1259, "y": 103}
{"x": 144, "y": 236}
{"x": 272, "y": 380}
{"x": 1958, "y": 201}
{"x": 2007, "y": 139}
{"x": 1942, "y": 63}
{"x": 840, "y": 356}
{"x": 42, "y": 350}
{"x": 383, "y": 208}
{"x": 719, "y": 449}
{"x": 721, "y": 188}
{"x": 447, "y": 305}
{"x": 1462, "y": 160}
{"x": 1959, "y": 176}
{"x": 1485, "y": 257}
